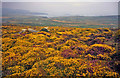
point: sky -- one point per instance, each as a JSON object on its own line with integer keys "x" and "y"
{"x": 71, "y": 7}
{"x": 60, "y": 0}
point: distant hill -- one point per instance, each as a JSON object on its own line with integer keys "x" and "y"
{"x": 13, "y": 12}
{"x": 82, "y": 18}
{"x": 24, "y": 17}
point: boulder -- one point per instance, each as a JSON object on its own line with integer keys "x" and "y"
{"x": 45, "y": 29}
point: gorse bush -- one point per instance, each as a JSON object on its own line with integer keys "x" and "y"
{"x": 61, "y": 51}
{"x": 100, "y": 49}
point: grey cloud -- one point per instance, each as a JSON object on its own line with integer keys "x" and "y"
{"x": 63, "y": 8}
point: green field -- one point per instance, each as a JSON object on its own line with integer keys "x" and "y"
{"x": 65, "y": 21}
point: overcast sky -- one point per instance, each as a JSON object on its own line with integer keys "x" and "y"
{"x": 71, "y": 7}
{"x": 60, "y": 0}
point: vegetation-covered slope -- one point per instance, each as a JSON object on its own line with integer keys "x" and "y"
{"x": 63, "y": 51}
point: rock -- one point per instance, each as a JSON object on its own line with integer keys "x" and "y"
{"x": 31, "y": 30}
{"x": 23, "y": 30}
{"x": 27, "y": 30}
{"x": 45, "y": 29}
